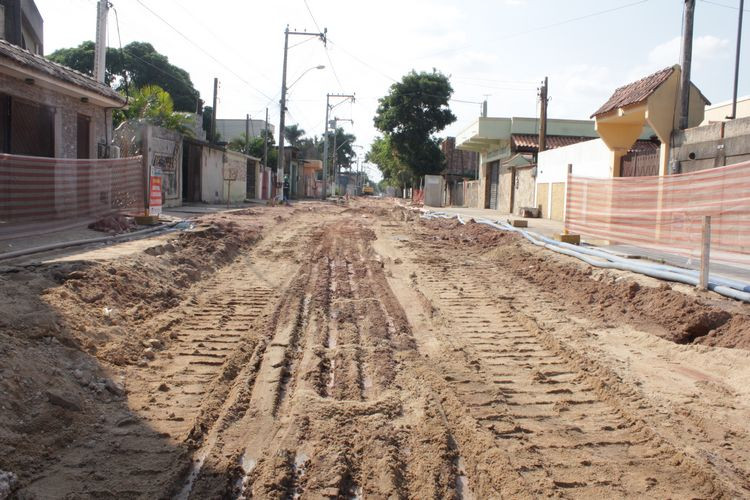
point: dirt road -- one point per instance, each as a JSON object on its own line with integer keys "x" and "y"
{"x": 357, "y": 351}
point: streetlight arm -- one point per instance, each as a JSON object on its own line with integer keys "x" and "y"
{"x": 303, "y": 74}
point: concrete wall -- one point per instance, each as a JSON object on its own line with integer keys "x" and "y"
{"x": 719, "y": 112}
{"x": 212, "y": 175}
{"x": 232, "y": 128}
{"x": 66, "y": 115}
{"x": 525, "y": 187}
{"x": 589, "y": 159}
{"x": 710, "y": 146}
{"x": 433, "y": 190}
{"x": 165, "y": 154}
{"x": 235, "y": 168}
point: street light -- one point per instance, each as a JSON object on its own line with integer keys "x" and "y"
{"x": 303, "y": 74}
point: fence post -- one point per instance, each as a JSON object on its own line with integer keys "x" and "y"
{"x": 567, "y": 198}
{"x": 705, "y": 252}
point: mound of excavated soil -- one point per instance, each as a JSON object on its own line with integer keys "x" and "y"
{"x": 666, "y": 312}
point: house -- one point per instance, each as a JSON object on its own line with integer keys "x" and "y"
{"x": 232, "y": 128}
{"x": 213, "y": 174}
{"x": 21, "y": 24}
{"x": 49, "y": 110}
{"x": 507, "y": 149}
{"x": 460, "y": 167}
{"x": 651, "y": 101}
{"x": 720, "y": 112}
{"x": 312, "y": 179}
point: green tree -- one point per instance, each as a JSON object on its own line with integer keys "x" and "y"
{"x": 154, "y": 105}
{"x": 311, "y": 148}
{"x": 344, "y": 151}
{"x": 142, "y": 65}
{"x": 253, "y": 146}
{"x": 413, "y": 111}
{"x": 395, "y": 172}
{"x": 293, "y": 134}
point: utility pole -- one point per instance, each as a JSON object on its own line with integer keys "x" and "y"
{"x": 325, "y": 137}
{"x": 265, "y": 143}
{"x": 686, "y": 58}
{"x": 543, "y": 121}
{"x": 247, "y": 134}
{"x": 282, "y": 115}
{"x": 212, "y": 139}
{"x": 336, "y": 167}
{"x": 737, "y": 62}
{"x": 100, "y": 51}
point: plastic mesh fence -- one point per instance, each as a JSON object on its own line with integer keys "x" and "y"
{"x": 48, "y": 189}
{"x": 666, "y": 213}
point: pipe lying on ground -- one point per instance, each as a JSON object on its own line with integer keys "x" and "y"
{"x": 723, "y": 286}
{"x": 66, "y": 244}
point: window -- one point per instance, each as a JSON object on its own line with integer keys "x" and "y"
{"x": 26, "y": 128}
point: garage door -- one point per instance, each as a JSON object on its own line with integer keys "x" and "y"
{"x": 494, "y": 174}
{"x": 542, "y": 199}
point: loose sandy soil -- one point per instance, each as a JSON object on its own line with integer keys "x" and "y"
{"x": 358, "y": 351}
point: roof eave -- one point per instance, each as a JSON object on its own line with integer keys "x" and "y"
{"x": 48, "y": 81}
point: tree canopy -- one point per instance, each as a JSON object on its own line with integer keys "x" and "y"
{"x": 382, "y": 154}
{"x": 413, "y": 111}
{"x": 143, "y": 66}
{"x": 344, "y": 147}
{"x": 154, "y": 105}
{"x": 294, "y": 134}
{"x": 254, "y": 146}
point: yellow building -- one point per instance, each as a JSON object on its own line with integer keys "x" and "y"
{"x": 651, "y": 101}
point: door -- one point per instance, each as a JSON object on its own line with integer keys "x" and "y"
{"x": 494, "y": 180}
{"x": 191, "y": 172}
{"x": 83, "y": 137}
{"x": 32, "y": 129}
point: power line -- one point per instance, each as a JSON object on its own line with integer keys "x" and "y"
{"x": 361, "y": 61}
{"x": 733, "y": 7}
{"x": 191, "y": 42}
{"x": 545, "y": 26}
{"x": 330, "y": 61}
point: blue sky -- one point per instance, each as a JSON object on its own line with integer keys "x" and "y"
{"x": 494, "y": 49}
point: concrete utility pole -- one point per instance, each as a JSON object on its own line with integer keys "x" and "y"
{"x": 265, "y": 143}
{"x": 336, "y": 171}
{"x": 737, "y": 62}
{"x": 100, "y": 51}
{"x": 282, "y": 114}
{"x": 543, "y": 121}
{"x": 247, "y": 134}
{"x": 325, "y": 137}
{"x": 686, "y": 58}
{"x": 212, "y": 139}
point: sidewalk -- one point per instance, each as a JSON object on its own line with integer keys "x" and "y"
{"x": 549, "y": 228}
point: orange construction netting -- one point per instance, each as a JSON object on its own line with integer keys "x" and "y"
{"x": 666, "y": 213}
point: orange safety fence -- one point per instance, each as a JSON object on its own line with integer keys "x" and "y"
{"x": 417, "y": 196}
{"x": 43, "y": 190}
{"x": 666, "y": 213}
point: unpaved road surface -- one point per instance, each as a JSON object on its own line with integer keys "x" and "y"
{"x": 357, "y": 351}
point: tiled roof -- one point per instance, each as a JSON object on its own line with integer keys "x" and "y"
{"x": 529, "y": 143}
{"x": 635, "y": 92}
{"x": 43, "y": 65}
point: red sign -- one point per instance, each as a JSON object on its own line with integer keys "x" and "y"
{"x": 154, "y": 199}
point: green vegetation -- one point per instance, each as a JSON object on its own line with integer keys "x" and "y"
{"x": 413, "y": 111}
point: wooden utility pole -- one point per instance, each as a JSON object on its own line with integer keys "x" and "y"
{"x": 543, "y": 117}
{"x": 212, "y": 139}
{"x": 686, "y": 58}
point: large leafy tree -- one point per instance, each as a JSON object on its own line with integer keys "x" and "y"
{"x": 142, "y": 65}
{"x": 414, "y": 110}
{"x": 382, "y": 154}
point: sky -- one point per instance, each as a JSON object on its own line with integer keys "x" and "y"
{"x": 498, "y": 50}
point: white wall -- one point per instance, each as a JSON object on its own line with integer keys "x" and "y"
{"x": 212, "y": 178}
{"x": 589, "y": 159}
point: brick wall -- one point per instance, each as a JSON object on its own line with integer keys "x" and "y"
{"x": 67, "y": 109}
{"x": 458, "y": 162}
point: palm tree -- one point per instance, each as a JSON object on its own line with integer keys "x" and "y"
{"x": 293, "y": 134}
{"x": 152, "y": 104}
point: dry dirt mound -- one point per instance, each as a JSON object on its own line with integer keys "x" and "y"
{"x": 58, "y": 319}
{"x": 668, "y": 313}
{"x": 114, "y": 224}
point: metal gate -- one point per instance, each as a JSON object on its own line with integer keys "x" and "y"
{"x": 250, "y": 179}
{"x": 635, "y": 164}
{"x": 494, "y": 180}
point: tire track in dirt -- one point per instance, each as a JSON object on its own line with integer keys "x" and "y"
{"x": 564, "y": 436}
{"x": 334, "y": 411}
